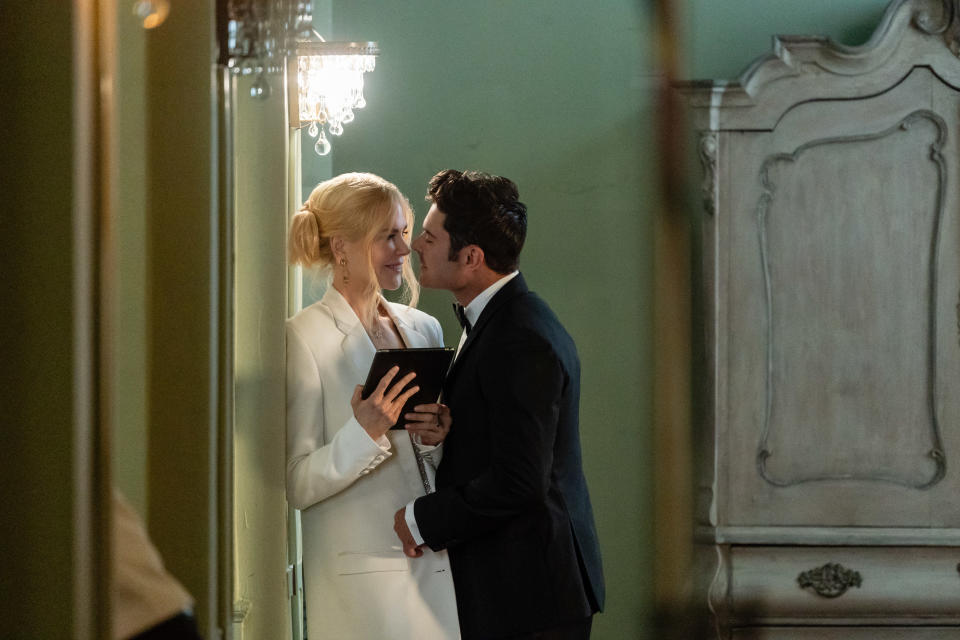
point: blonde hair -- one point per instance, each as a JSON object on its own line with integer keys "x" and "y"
{"x": 355, "y": 206}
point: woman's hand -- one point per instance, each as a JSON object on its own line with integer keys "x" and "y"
{"x": 382, "y": 408}
{"x": 431, "y": 422}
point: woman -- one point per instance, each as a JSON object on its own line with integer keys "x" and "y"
{"x": 345, "y": 469}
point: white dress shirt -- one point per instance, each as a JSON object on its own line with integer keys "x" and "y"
{"x": 472, "y": 311}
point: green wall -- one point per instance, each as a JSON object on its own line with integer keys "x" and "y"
{"x": 558, "y": 96}
{"x": 555, "y": 96}
{"x": 129, "y": 269}
{"x": 724, "y": 37}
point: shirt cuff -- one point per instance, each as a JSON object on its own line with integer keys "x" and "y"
{"x": 412, "y": 524}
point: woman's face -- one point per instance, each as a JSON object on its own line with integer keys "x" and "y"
{"x": 388, "y": 251}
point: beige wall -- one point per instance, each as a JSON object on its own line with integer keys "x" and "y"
{"x": 128, "y": 298}
{"x": 260, "y": 165}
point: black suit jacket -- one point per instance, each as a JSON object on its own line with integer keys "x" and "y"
{"x": 511, "y": 504}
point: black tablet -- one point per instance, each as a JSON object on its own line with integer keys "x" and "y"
{"x": 430, "y": 365}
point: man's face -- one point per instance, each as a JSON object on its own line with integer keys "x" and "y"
{"x": 437, "y": 271}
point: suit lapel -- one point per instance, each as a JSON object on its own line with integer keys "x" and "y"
{"x": 515, "y": 287}
{"x": 356, "y": 345}
{"x": 411, "y": 337}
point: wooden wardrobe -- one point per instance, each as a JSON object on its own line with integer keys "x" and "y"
{"x": 828, "y": 448}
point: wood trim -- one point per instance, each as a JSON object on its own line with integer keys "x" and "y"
{"x": 888, "y": 536}
{"x": 672, "y": 408}
{"x": 91, "y": 476}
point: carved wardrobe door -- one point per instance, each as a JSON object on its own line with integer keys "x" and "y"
{"x": 831, "y": 242}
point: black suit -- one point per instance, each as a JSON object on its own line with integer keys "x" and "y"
{"x": 511, "y": 504}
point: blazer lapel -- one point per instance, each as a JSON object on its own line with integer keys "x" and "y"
{"x": 356, "y": 344}
{"x": 411, "y": 337}
{"x": 515, "y": 287}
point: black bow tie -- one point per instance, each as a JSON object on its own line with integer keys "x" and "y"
{"x": 462, "y": 317}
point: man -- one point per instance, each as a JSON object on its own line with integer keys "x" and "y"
{"x": 511, "y": 503}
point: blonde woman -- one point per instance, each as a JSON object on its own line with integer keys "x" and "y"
{"x": 346, "y": 470}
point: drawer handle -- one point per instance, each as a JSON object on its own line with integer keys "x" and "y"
{"x": 830, "y": 581}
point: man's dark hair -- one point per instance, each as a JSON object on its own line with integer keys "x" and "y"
{"x": 483, "y": 210}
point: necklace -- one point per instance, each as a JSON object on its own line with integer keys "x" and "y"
{"x": 376, "y": 331}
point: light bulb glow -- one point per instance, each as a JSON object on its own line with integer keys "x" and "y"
{"x": 330, "y": 88}
{"x": 151, "y": 13}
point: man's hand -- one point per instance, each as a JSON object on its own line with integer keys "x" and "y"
{"x": 410, "y": 547}
{"x": 429, "y": 422}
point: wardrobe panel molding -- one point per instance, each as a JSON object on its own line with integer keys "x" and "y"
{"x": 830, "y": 236}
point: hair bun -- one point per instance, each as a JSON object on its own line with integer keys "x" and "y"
{"x": 304, "y": 241}
{"x": 314, "y": 215}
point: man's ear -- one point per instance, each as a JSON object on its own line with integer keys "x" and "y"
{"x": 472, "y": 256}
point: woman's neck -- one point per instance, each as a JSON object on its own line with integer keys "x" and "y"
{"x": 363, "y": 304}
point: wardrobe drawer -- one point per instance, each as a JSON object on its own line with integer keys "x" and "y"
{"x": 844, "y": 584}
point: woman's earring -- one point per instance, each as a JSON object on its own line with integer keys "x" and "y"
{"x": 346, "y": 272}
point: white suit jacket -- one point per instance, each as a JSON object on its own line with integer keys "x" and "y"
{"x": 358, "y": 583}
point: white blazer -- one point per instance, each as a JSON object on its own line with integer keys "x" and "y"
{"x": 358, "y": 583}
